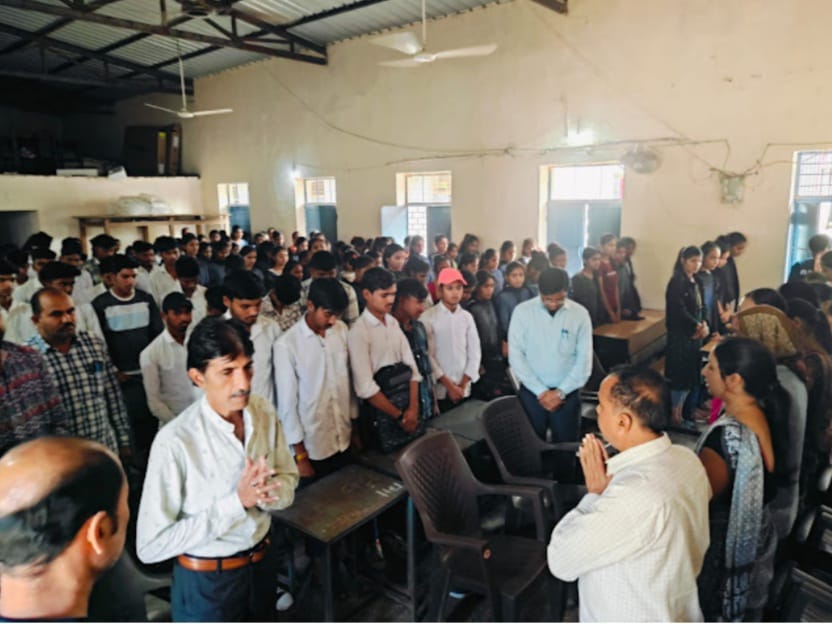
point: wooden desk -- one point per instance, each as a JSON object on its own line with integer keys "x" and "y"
{"x": 631, "y": 342}
{"x": 143, "y": 222}
{"x": 337, "y": 505}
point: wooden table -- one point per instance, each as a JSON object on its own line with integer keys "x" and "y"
{"x": 143, "y": 222}
{"x": 338, "y": 504}
{"x": 631, "y": 342}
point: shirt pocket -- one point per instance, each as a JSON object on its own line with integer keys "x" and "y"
{"x": 566, "y": 341}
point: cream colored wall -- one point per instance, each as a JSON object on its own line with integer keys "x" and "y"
{"x": 739, "y": 74}
{"x": 57, "y": 200}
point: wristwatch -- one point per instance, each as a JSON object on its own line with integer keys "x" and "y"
{"x": 561, "y": 394}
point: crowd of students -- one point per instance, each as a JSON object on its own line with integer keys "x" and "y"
{"x": 173, "y": 353}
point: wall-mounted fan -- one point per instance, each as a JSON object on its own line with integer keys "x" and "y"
{"x": 641, "y": 160}
{"x": 408, "y": 43}
{"x": 184, "y": 113}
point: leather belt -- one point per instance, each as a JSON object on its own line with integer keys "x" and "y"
{"x": 224, "y": 564}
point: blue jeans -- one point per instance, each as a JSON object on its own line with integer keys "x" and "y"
{"x": 242, "y": 595}
{"x": 564, "y": 421}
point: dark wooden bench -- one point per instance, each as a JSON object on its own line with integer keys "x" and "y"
{"x": 631, "y": 342}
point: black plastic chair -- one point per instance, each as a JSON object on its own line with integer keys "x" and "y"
{"x": 500, "y": 567}
{"x": 520, "y": 454}
{"x": 127, "y": 593}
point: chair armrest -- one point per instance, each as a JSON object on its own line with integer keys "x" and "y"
{"x": 551, "y": 494}
{"x": 475, "y": 544}
{"x": 534, "y": 494}
{"x": 560, "y": 447}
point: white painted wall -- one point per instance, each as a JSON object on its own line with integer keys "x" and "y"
{"x": 57, "y": 200}
{"x": 742, "y": 74}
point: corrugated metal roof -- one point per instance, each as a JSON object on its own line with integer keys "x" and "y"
{"x": 156, "y": 49}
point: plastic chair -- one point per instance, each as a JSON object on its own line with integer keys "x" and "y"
{"x": 123, "y": 594}
{"x": 520, "y": 453}
{"x": 500, "y": 567}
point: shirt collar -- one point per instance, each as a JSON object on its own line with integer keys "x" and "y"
{"x": 638, "y": 454}
{"x": 373, "y": 321}
{"x": 216, "y": 420}
{"x": 305, "y": 330}
{"x": 40, "y": 345}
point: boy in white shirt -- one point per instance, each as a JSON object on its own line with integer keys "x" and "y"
{"x": 164, "y": 362}
{"x": 163, "y": 279}
{"x": 316, "y": 407}
{"x": 187, "y": 273}
{"x": 453, "y": 341}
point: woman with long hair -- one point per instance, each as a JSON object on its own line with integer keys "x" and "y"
{"x": 739, "y": 452}
{"x": 686, "y": 329}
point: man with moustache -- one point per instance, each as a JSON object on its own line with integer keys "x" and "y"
{"x": 83, "y": 373}
{"x": 214, "y": 473}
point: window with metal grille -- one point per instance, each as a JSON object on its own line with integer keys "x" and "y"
{"x": 319, "y": 191}
{"x": 233, "y": 194}
{"x": 814, "y": 174}
{"x": 424, "y": 191}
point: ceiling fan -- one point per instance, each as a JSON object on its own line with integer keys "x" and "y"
{"x": 408, "y": 43}
{"x": 184, "y": 113}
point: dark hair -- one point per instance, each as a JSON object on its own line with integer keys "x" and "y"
{"x": 213, "y": 297}
{"x": 7, "y": 268}
{"x": 452, "y": 245}
{"x": 588, "y": 253}
{"x": 241, "y": 284}
{"x": 482, "y": 278}
{"x": 322, "y": 261}
{"x": 553, "y": 250}
{"x": 104, "y": 241}
{"x": 416, "y": 265}
{"x": 415, "y": 239}
{"x": 203, "y": 246}
{"x": 815, "y": 321}
{"x": 247, "y": 250}
{"x": 287, "y": 288}
{"x": 327, "y": 293}
{"x": 539, "y": 262}
{"x": 36, "y": 240}
{"x": 410, "y": 287}
{"x": 438, "y": 238}
{"x": 752, "y": 361}
{"x": 735, "y": 238}
{"x": 187, "y": 238}
{"x": 362, "y": 262}
{"x": 141, "y": 246}
{"x": 799, "y": 289}
{"x": 164, "y": 244}
{"x": 43, "y": 253}
{"x": 513, "y": 266}
{"x": 71, "y": 246}
{"x": 685, "y": 253}
{"x": 176, "y": 301}
{"x": 467, "y": 241}
{"x": 487, "y": 256}
{"x": 553, "y": 281}
{"x": 606, "y": 238}
{"x": 437, "y": 260}
{"x": 377, "y": 279}
{"x": 707, "y": 247}
{"x": 507, "y": 244}
{"x": 38, "y": 534}
{"x": 819, "y": 243}
{"x": 213, "y": 338}
{"x": 468, "y": 258}
{"x": 57, "y": 270}
{"x": 627, "y": 241}
{"x": 470, "y": 279}
{"x": 644, "y": 393}
{"x": 768, "y": 296}
{"x": 187, "y": 267}
{"x": 220, "y": 245}
{"x": 117, "y": 263}
{"x": 390, "y": 250}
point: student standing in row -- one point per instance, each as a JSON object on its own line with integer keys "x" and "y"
{"x": 737, "y": 243}
{"x": 316, "y": 406}
{"x": 146, "y": 257}
{"x": 164, "y": 362}
{"x": 686, "y": 329}
{"x": 164, "y": 279}
{"x": 610, "y": 297}
{"x": 490, "y": 262}
{"x": 514, "y": 293}
{"x": 187, "y": 273}
{"x": 454, "y": 343}
{"x": 507, "y": 254}
{"x": 586, "y": 289}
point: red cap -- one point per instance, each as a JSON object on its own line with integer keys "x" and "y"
{"x": 449, "y": 276}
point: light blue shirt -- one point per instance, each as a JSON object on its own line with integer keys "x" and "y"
{"x": 548, "y": 352}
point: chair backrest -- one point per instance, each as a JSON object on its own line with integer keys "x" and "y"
{"x": 441, "y": 484}
{"x": 511, "y": 438}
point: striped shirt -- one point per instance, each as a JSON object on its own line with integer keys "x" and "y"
{"x": 90, "y": 393}
{"x": 30, "y": 405}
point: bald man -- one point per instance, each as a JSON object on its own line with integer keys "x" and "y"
{"x": 63, "y": 521}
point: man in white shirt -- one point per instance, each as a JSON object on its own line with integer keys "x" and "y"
{"x": 316, "y": 406}
{"x": 187, "y": 272}
{"x": 214, "y": 474}
{"x": 20, "y": 325}
{"x": 454, "y": 343}
{"x": 375, "y": 341}
{"x": 146, "y": 257}
{"x": 243, "y": 296}
{"x": 72, "y": 253}
{"x": 40, "y": 258}
{"x": 637, "y": 540}
{"x": 164, "y": 362}
{"x": 164, "y": 280}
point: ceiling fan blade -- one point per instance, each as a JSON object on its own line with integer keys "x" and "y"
{"x": 218, "y": 111}
{"x": 162, "y": 108}
{"x": 404, "y": 42}
{"x": 482, "y": 50}
{"x": 404, "y": 63}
